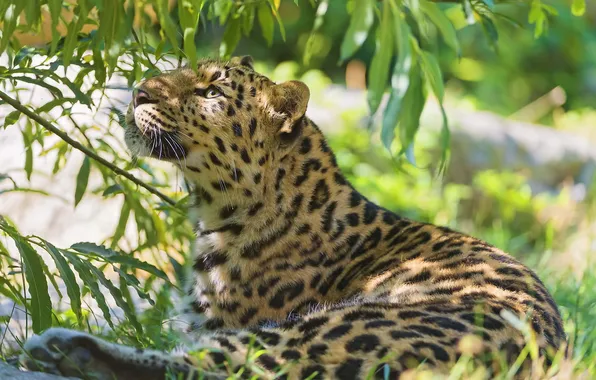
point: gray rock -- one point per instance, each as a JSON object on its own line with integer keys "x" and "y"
{"x": 9, "y": 372}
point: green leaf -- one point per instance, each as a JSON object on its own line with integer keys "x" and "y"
{"x": 114, "y": 189}
{"x": 166, "y": 22}
{"x": 379, "y": 67}
{"x": 432, "y": 73}
{"x": 10, "y": 20}
{"x": 12, "y": 118}
{"x": 41, "y": 306}
{"x": 468, "y": 12}
{"x": 54, "y": 90}
{"x": 72, "y": 31}
{"x": 413, "y": 102}
{"x": 54, "y": 103}
{"x": 127, "y": 279}
{"x": 265, "y": 17}
{"x": 490, "y": 30}
{"x": 248, "y": 19}
{"x": 188, "y": 14}
{"x": 60, "y": 157}
{"x": 578, "y": 7}
{"x": 55, "y": 7}
{"x": 274, "y": 7}
{"x": 32, "y": 12}
{"x": 99, "y": 250}
{"x": 120, "y": 228}
{"x": 437, "y": 16}
{"x": 67, "y": 275}
{"x": 27, "y": 141}
{"x": 117, "y": 295}
{"x": 360, "y": 23}
{"x": 434, "y": 77}
{"x": 116, "y": 258}
{"x": 100, "y": 69}
{"x": 83, "y": 268}
{"x": 319, "y": 18}
{"x": 231, "y": 38}
{"x": 400, "y": 79}
{"x": 82, "y": 180}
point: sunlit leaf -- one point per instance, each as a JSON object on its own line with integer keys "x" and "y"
{"x": 82, "y": 180}
{"x": 266, "y": 22}
{"x": 231, "y": 38}
{"x": 578, "y": 7}
{"x": 468, "y": 12}
{"x": 361, "y": 20}
{"x": 438, "y": 17}
{"x": 400, "y": 79}
{"x": 280, "y": 23}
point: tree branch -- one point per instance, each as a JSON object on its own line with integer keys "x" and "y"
{"x": 88, "y": 152}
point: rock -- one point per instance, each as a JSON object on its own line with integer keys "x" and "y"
{"x": 9, "y": 372}
{"x": 548, "y": 157}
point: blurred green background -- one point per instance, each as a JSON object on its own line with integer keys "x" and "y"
{"x": 549, "y": 81}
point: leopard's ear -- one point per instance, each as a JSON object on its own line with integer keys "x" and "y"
{"x": 290, "y": 100}
{"x": 245, "y": 61}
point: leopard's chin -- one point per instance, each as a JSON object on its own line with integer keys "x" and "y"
{"x": 154, "y": 143}
{"x": 135, "y": 141}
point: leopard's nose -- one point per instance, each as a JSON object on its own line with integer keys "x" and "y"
{"x": 141, "y": 97}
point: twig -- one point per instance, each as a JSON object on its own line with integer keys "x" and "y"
{"x": 88, "y": 152}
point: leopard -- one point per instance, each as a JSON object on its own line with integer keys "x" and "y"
{"x": 294, "y": 268}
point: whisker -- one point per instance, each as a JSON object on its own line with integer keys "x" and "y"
{"x": 169, "y": 140}
{"x": 177, "y": 143}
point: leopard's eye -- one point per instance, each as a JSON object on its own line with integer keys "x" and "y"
{"x": 212, "y": 92}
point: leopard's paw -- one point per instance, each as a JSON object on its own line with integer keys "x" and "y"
{"x": 64, "y": 352}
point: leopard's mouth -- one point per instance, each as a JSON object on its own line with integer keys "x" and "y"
{"x": 152, "y": 141}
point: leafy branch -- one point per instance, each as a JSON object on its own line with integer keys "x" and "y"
{"x": 77, "y": 145}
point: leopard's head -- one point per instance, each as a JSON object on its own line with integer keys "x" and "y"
{"x": 221, "y": 122}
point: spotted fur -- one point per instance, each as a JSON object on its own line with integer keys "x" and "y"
{"x": 290, "y": 258}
